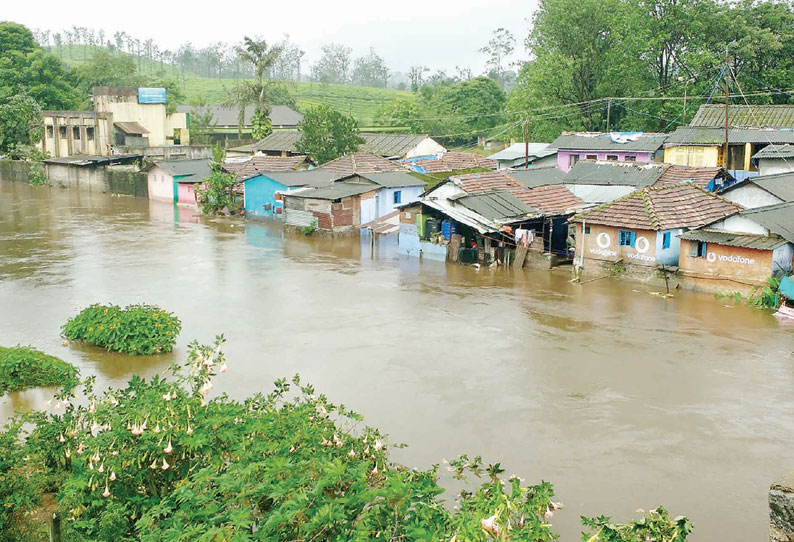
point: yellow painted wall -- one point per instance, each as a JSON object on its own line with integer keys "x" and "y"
{"x": 692, "y": 156}
{"x": 57, "y": 144}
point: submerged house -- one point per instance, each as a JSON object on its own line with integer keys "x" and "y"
{"x": 608, "y": 147}
{"x": 263, "y": 192}
{"x": 534, "y": 155}
{"x": 352, "y": 201}
{"x": 739, "y": 252}
{"x": 761, "y": 191}
{"x": 643, "y": 229}
{"x": 482, "y": 212}
{"x": 175, "y": 180}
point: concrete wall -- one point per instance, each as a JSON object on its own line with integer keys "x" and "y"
{"x": 260, "y": 192}
{"x": 186, "y": 193}
{"x": 67, "y": 133}
{"x": 692, "y": 155}
{"x": 564, "y": 158}
{"x": 427, "y": 147}
{"x": 175, "y": 152}
{"x": 113, "y": 179}
{"x": 409, "y": 244}
{"x": 770, "y": 166}
{"x": 592, "y": 193}
{"x": 385, "y": 198}
{"x": 739, "y": 224}
{"x": 601, "y": 244}
{"x": 161, "y": 184}
{"x": 782, "y": 259}
{"x": 668, "y": 256}
{"x": 751, "y": 196}
{"x": 725, "y": 268}
{"x": 15, "y": 170}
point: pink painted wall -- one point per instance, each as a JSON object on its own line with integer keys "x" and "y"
{"x": 161, "y": 185}
{"x": 186, "y": 193}
{"x": 564, "y": 157}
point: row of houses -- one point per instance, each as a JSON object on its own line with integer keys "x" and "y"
{"x": 685, "y": 207}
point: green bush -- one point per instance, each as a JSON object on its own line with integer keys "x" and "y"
{"x": 135, "y": 329}
{"x": 22, "y": 367}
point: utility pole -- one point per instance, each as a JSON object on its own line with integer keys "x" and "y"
{"x": 526, "y": 143}
{"x": 609, "y": 111}
{"x": 727, "y": 103}
{"x": 683, "y": 113}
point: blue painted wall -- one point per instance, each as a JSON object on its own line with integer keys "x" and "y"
{"x": 668, "y": 256}
{"x": 261, "y": 191}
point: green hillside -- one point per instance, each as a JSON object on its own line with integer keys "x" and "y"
{"x": 361, "y": 102}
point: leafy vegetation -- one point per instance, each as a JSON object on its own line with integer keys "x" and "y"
{"x": 135, "y": 329}
{"x": 161, "y": 460}
{"x": 327, "y": 134}
{"x": 762, "y": 297}
{"x": 218, "y": 195}
{"x": 37, "y": 175}
{"x": 23, "y": 367}
{"x": 656, "y": 526}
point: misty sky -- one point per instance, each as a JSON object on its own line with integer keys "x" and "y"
{"x": 436, "y": 33}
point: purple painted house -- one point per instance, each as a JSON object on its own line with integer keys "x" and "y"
{"x": 611, "y": 147}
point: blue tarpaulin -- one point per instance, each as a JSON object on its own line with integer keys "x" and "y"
{"x": 787, "y": 287}
{"x": 151, "y": 95}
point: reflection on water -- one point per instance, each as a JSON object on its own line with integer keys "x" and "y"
{"x": 622, "y": 399}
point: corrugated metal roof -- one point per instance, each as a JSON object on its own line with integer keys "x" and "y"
{"x": 775, "y": 151}
{"x": 384, "y": 145}
{"x": 682, "y": 206}
{"x": 393, "y": 179}
{"x": 496, "y": 205}
{"x": 614, "y": 173}
{"x": 697, "y": 135}
{"x": 540, "y": 176}
{"x": 190, "y": 170}
{"x": 777, "y": 219}
{"x": 518, "y": 150}
{"x": 131, "y": 128}
{"x": 744, "y": 240}
{"x": 597, "y": 141}
{"x": 225, "y": 116}
{"x": 313, "y": 178}
{"x": 745, "y": 116}
{"x": 550, "y": 199}
{"x": 334, "y": 191}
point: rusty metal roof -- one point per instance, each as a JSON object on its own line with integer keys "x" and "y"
{"x": 745, "y": 116}
{"x": 679, "y": 206}
{"x": 131, "y": 128}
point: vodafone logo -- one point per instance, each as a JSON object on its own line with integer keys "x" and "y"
{"x": 603, "y": 240}
{"x": 711, "y": 257}
{"x": 642, "y": 245}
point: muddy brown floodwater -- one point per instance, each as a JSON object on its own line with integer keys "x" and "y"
{"x": 621, "y": 399}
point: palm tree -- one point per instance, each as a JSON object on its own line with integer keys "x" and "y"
{"x": 257, "y": 52}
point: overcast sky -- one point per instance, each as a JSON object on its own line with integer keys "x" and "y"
{"x": 436, "y": 33}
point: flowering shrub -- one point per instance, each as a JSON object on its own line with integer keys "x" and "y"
{"x": 135, "y": 329}
{"x": 22, "y": 367}
{"x": 160, "y": 460}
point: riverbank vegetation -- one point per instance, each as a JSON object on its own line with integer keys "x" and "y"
{"x": 135, "y": 329}
{"x": 161, "y": 460}
{"x": 23, "y": 367}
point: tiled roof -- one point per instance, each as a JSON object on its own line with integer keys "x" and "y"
{"x": 262, "y": 164}
{"x": 385, "y": 145}
{"x": 698, "y": 176}
{"x": 776, "y": 151}
{"x": 682, "y": 206}
{"x": 745, "y": 116}
{"x": 698, "y": 135}
{"x": 226, "y": 116}
{"x": 732, "y": 239}
{"x": 450, "y": 161}
{"x": 360, "y": 162}
{"x": 552, "y": 199}
{"x": 597, "y": 141}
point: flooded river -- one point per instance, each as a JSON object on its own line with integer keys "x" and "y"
{"x": 622, "y": 399}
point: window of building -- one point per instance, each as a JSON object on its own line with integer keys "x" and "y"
{"x": 89, "y": 133}
{"x": 62, "y": 132}
{"x": 397, "y": 196}
{"x": 75, "y": 132}
{"x": 666, "y": 240}
{"x": 612, "y": 157}
{"x": 625, "y": 238}
{"x": 574, "y": 159}
{"x": 592, "y": 156}
{"x": 630, "y": 158}
{"x": 587, "y": 229}
{"x": 50, "y": 131}
{"x": 699, "y": 250}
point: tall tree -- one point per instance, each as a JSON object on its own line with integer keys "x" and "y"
{"x": 334, "y": 64}
{"x": 327, "y": 134}
{"x": 370, "y": 71}
{"x": 498, "y": 49}
{"x": 263, "y": 57}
